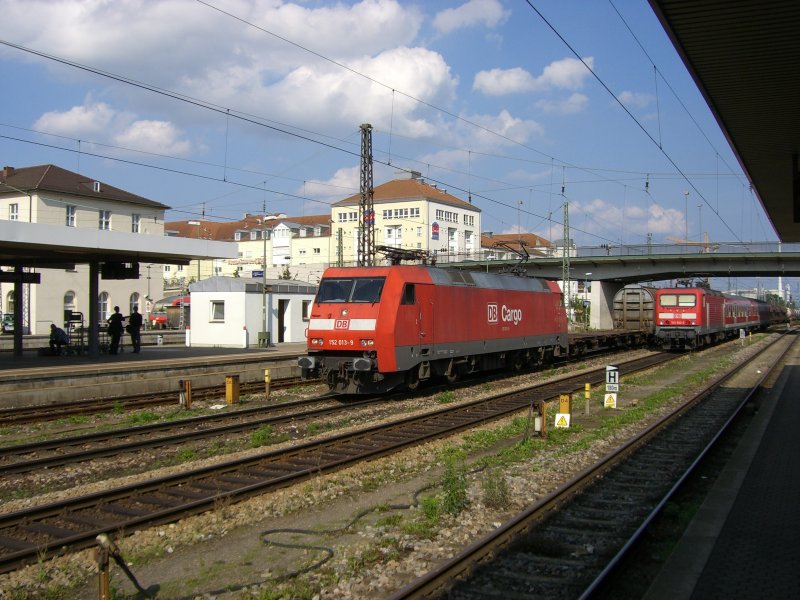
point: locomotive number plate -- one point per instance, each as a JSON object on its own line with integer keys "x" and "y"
{"x": 341, "y": 342}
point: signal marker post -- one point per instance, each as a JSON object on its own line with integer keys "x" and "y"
{"x": 612, "y": 387}
{"x": 564, "y": 411}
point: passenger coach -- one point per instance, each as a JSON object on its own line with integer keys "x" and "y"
{"x": 372, "y": 329}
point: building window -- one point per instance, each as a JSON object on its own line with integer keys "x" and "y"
{"x": 306, "y": 309}
{"x": 70, "y": 216}
{"x": 104, "y": 221}
{"x": 133, "y": 303}
{"x": 13, "y": 212}
{"x": 419, "y": 231}
{"x": 414, "y": 213}
{"x": 317, "y": 251}
{"x": 237, "y": 236}
{"x": 135, "y": 221}
{"x": 167, "y": 268}
{"x": 69, "y": 303}
{"x": 253, "y": 235}
{"x": 302, "y": 252}
{"x": 102, "y": 305}
{"x": 217, "y": 311}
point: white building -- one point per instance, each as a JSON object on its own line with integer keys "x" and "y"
{"x": 410, "y": 214}
{"x": 50, "y": 195}
{"x": 231, "y": 311}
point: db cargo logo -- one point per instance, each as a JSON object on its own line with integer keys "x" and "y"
{"x": 506, "y": 314}
{"x": 342, "y": 324}
{"x": 491, "y": 313}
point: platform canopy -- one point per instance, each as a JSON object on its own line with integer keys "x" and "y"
{"x": 42, "y": 246}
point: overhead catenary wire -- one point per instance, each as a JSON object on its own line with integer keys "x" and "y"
{"x": 630, "y": 115}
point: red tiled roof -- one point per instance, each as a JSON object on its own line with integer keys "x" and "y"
{"x": 529, "y": 240}
{"x": 223, "y": 231}
{"x": 409, "y": 189}
{"x": 51, "y": 178}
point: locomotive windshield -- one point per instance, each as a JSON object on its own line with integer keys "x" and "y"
{"x": 356, "y": 289}
{"x": 678, "y": 300}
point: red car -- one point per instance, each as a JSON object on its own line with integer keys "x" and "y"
{"x": 375, "y": 328}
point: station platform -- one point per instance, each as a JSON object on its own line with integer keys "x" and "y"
{"x": 742, "y": 542}
{"x": 36, "y": 379}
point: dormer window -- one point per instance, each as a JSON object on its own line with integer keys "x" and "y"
{"x": 253, "y": 235}
{"x": 96, "y": 187}
{"x": 237, "y": 236}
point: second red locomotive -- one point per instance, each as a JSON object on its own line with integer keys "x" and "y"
{"x": 687, "y": 318}
{"x": 372, "y": 329}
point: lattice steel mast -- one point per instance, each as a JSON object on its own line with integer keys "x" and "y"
{"x": 366, "y": 210}
{"x": 565, "y": 263}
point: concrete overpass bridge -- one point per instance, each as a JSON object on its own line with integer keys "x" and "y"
{"x": 660, "y": 262}
{"x": 610, "y": 268}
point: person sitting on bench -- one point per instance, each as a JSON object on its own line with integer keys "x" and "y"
{"x": 58, "y": 338}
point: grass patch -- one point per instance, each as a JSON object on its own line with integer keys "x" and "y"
{"x": 263, "y": 436}
{"x": 142, "y": 418}
{"x": 446, "y": 397}
{"x": 494, "y": 488}
{"x": 454, "y": 483}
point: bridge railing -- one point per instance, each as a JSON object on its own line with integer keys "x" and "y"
{"x": 683, "y": 249}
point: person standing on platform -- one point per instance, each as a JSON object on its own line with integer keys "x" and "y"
{"x": 115, "y": 330}
{"x": 133, "y": 328}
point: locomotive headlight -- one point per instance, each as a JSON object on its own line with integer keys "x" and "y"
{"x": 367, "y": 342}
{"x": 316, "y": 341}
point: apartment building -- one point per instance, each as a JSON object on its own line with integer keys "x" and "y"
{"x": 47, "y": 194}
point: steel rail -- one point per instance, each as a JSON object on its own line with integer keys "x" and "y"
{"x": 58, "y": 410}
{"x": 30, "y": 534}
{"x": 106, "y": 442}
{"x": 482, "y": 553}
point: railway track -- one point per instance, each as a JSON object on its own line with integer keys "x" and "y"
{"x": 31, "y": 534}
{"x": 565, "y": 545}
{"x": 56, "y": 452}
{"x": 60, "y": 410}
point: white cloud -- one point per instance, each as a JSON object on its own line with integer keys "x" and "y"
{"x": 99, "y": 122}
{"x": 635, "y": 99}
{"x": 604, "y": 219}
{"x": 160, "y": 137}
{"x": 92, "y": 119}
{"x": 567, "y": 73}
{"x": 574, "y": 104}
{"x": 489, "y": 13}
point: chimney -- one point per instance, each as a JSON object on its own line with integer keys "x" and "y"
{"x": 8, "y": 172}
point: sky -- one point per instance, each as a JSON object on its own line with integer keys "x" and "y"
{"x": 218, "y": 108}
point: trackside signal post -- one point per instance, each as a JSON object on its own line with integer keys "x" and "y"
{"x": 564, "y": 411}
{"x": 612, "y": 387}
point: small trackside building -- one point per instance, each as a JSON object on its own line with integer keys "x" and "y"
{"x": 228, "y": 312}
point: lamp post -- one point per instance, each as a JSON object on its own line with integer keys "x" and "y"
{"x": 198, "y": 238}
{"x": 686, "y": 213}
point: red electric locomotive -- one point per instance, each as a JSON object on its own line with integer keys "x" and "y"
{"x": 372, "y": 329}
{"x": 689, "y": 318}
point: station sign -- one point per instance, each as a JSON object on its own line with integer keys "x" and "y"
{"x": 612, "y": 379}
